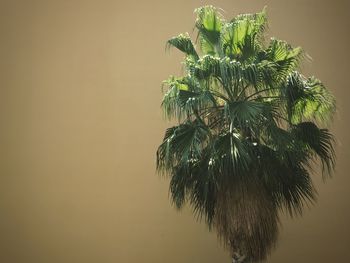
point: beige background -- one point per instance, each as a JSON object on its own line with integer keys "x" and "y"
{"x": 80, "y": 124}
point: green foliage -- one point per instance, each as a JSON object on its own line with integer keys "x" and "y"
{"x": 248, "y": 133}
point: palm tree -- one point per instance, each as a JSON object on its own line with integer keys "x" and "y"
{"x": 248, "y": 131}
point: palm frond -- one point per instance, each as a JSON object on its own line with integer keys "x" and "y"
{"x": 184, "y": 43}
{"x": 241, "y": 37}
{"x": 320, "y": 141}
{"x": 181, "y": 144}
{"x": 286, "y": 58}
{"x": 208, "y": 23}
{"x": 286, "y": 178}
{"x": 171, "y": 104}
{"x": 246, "y": 112}
{"x": 307, "y": 98}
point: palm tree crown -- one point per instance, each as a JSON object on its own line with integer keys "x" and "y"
{"x": 248, "y": 131}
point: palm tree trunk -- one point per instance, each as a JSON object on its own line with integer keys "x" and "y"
{"x": 246, "y": 220}
{"x": 238, "y": 258}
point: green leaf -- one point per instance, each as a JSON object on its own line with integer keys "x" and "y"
{"x": 241, "y": 37}
{"x": 245, "y": 112}
{"x": 209, "y": 26}
{"x": 183, "y": 43}
{"x": 307, "y": 98}
{"x": 320, "y": 141}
